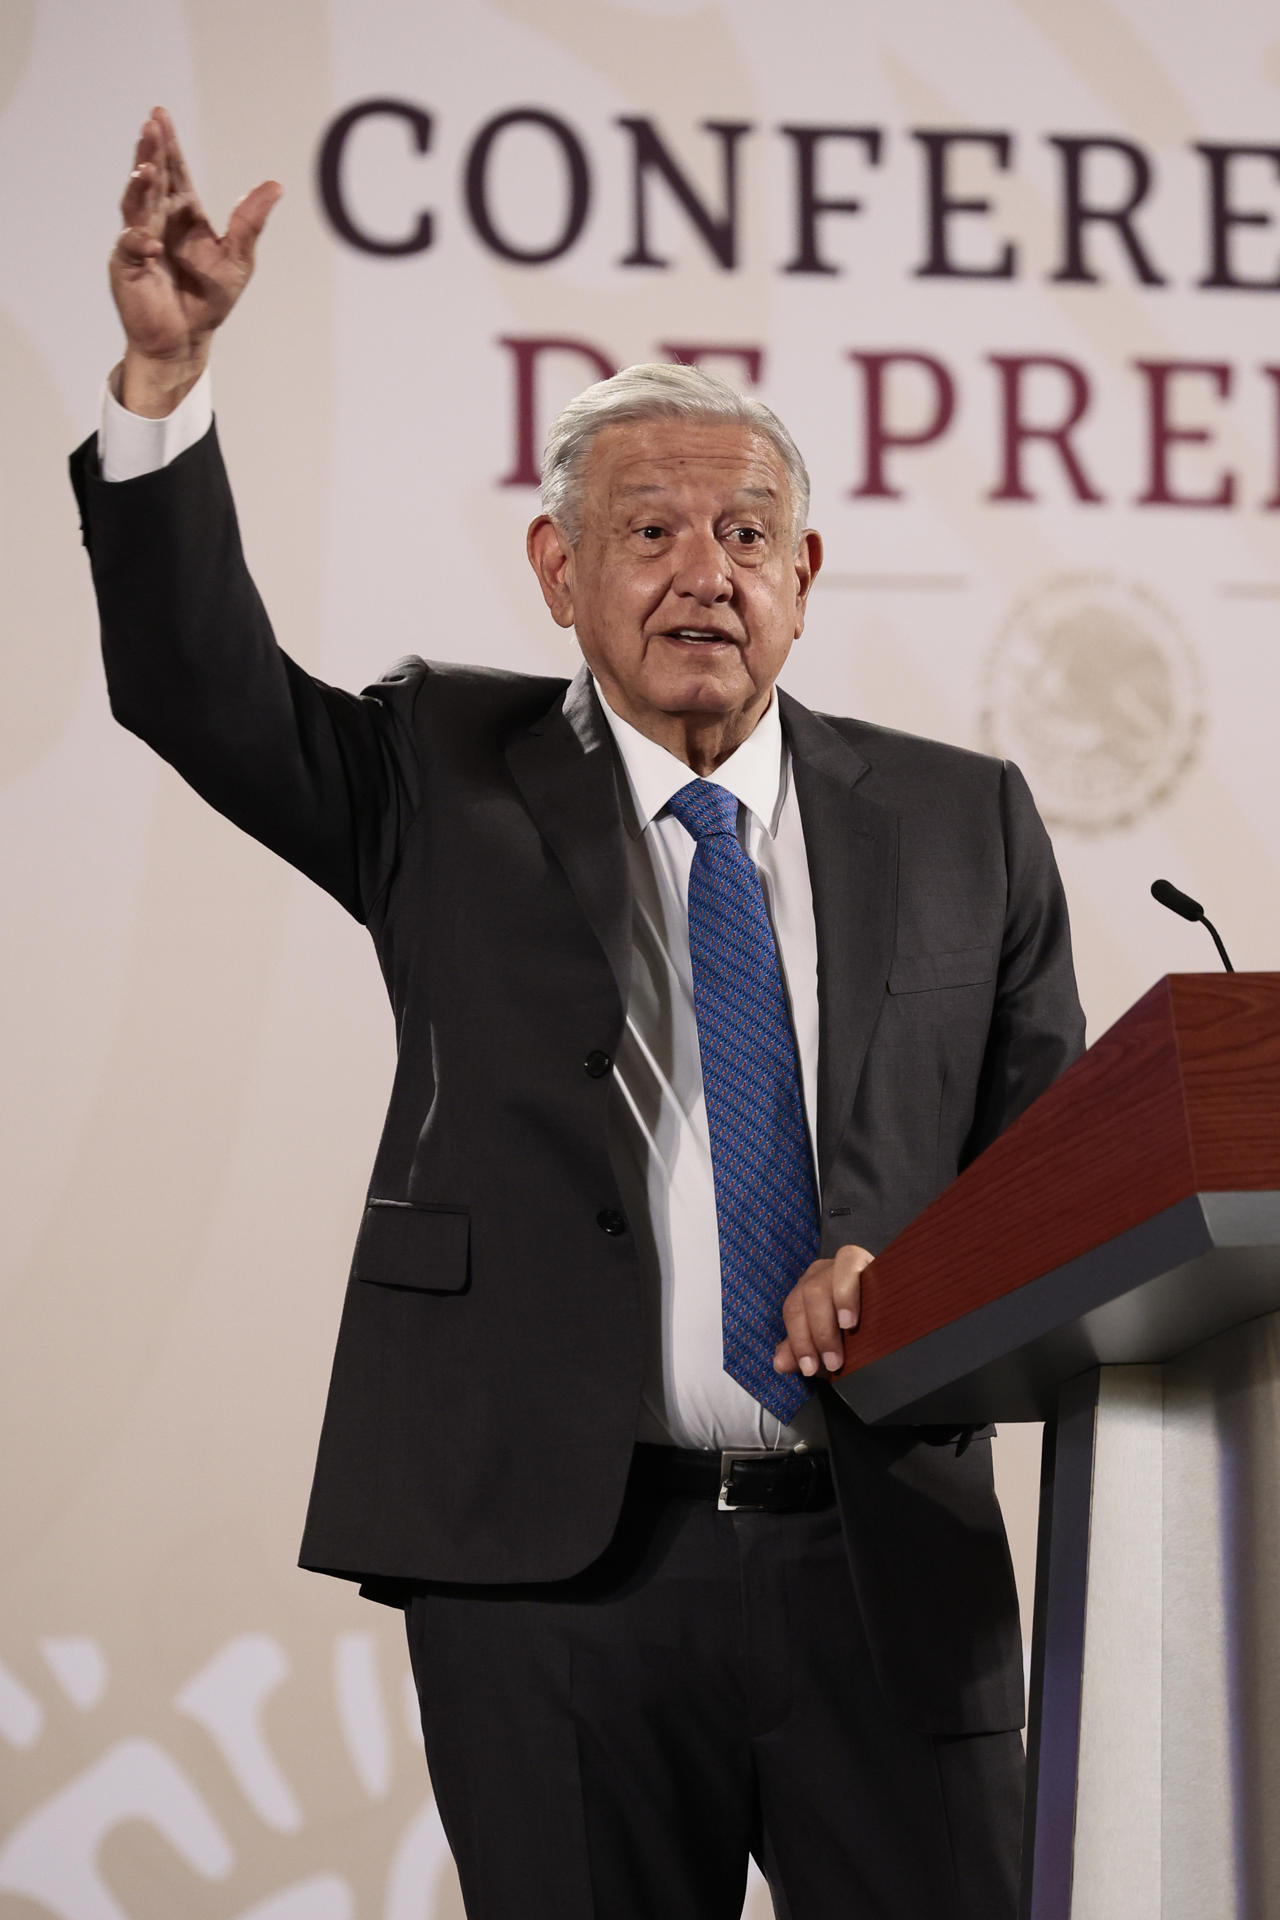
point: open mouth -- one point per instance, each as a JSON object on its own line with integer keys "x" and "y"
{"x": 698, "y": 637}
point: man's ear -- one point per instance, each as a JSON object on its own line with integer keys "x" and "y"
{"x": 808, "y": 562}
{"x": 550, "y": 556}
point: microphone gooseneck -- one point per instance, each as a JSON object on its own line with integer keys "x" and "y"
{"x": 1178, "y": 902}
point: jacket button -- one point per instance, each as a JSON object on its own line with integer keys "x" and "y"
{"x": 597, "y": 1063}
{"x": 610, "y": 1221}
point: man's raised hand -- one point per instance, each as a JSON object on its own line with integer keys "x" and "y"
{"x": 173, "y": 278}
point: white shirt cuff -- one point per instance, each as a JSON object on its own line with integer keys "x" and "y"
{"x": 130, "y": 445}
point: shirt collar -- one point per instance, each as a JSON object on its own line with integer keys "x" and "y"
{"x": 754, "y": 773}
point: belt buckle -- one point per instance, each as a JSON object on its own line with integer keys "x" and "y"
{"x": 728, "y": 1455}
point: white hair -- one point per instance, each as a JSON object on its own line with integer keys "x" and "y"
{"x": 661, "y": 391}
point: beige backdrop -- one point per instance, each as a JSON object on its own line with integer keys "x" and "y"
{"x": 196, "y": 1047}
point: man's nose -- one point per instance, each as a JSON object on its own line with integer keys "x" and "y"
{"x": 702, "y": 568}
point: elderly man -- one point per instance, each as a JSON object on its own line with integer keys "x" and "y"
{"x": 700, "y": 998}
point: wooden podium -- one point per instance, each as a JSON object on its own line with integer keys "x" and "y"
{"x": 1111, "y": 1265}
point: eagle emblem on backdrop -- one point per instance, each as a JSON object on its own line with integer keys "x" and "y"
{"x": 1093, "y": 688}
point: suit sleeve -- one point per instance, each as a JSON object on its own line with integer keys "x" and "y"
{"x": 1037, "y": 1026}
{"x": 325, "y": 778}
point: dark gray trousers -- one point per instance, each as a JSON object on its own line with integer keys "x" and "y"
{"x": 612, "y": 1747}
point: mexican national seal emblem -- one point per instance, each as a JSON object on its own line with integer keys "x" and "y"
{"x": 1093, "y": 690}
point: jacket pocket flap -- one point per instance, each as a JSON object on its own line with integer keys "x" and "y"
{"x": 401, "y": 1245}
{"x": 916, "y": 972}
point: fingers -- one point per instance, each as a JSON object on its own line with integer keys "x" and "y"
{"x": 179, "y": 179}
{"x": 137, "y": 200}
{"x": 825, "y": 1303}
{"x": 148, "y": 146}
{"x": 140, "y": 201}
{"x": 149, "y": 185}
{"x": 141, "y": 196}
{"x": 136, "y": 246}
{"x": 160, "y": 180}
{"x": 248, "y": 218}
{"x": 846, "y": 1287}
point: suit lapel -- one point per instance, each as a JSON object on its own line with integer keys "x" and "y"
{"x": 852, "y": 848}
{"x": 564, "y": 768}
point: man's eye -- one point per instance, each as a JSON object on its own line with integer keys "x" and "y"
{"x": 747, "y": 536}
{"x": 652, "y": 533}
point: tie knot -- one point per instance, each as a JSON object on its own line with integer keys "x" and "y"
{"x": 703, "y": 809}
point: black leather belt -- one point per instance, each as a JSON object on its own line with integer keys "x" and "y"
{"x": 739, "y": 1479}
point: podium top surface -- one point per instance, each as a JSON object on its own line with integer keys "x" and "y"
{"x": 1181, "y": 1098}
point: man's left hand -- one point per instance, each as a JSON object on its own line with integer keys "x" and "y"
{"x": 824, "y": 1304}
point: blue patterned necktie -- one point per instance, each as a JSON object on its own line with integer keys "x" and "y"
{"x": 766, "y": 1200}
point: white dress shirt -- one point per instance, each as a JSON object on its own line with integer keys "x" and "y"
{"x": 660, "y": 1140}
{"x": 129, "y": 445}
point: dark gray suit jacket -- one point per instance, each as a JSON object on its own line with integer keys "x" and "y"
{"x": 485, "y": 1387}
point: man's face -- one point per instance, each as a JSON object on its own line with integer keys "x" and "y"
{"x": 686, "y": 587}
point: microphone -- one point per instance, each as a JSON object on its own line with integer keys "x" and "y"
{"x": 1178, "y": 902}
